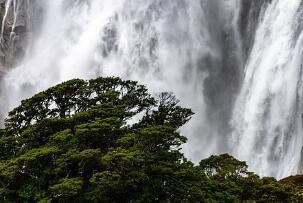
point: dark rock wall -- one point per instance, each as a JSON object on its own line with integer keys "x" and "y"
{"x": 22, "y": 20}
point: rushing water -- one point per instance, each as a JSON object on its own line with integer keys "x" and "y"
{"x": 267, "y": 114}
{"x": 236, "y": 63}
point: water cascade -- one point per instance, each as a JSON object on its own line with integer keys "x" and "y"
{"x": 267, "y": 115}
{"x": 236, "y": 63}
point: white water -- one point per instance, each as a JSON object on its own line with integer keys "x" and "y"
{"x": 251, "y": 108}
{"x": 267, "y": 118}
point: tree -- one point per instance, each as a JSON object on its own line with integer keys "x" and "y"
{"x": 224, "y": 166}
{"x": 72, "y": 143}
{"x": 75, "y": 143}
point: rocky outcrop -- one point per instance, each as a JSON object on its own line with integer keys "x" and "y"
{"x": 17, "y": 25}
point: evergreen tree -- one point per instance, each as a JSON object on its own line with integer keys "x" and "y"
{"x": 75, "y": 143}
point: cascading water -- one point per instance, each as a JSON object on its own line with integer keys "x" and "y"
{"x": 236, "y": 63}
{"x": 267, "y": 114}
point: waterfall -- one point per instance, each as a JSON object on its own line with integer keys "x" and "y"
{"x": 267, "y": 114}
{"x": 236, "y": 63}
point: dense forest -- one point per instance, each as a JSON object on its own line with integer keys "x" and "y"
{"x": 109, "y": 140}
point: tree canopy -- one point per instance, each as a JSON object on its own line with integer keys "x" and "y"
{"x": 109, "y": 140}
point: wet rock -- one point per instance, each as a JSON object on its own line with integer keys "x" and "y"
{"x": 16, "y": 28}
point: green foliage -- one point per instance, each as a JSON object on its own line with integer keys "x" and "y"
{"x": 74, "y": 143}
{"x": 66, "y": 189}
{"x": 224, "y": 166}
{"x": 28, "y": 191}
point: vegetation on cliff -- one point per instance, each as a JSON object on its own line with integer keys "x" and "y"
{"x": 108, "y": 140}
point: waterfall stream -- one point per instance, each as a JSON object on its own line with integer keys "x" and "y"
{"x": 236, "y": 63}
{"x": 267, "y": 114}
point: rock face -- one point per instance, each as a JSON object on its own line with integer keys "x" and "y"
{"x": 18, "y": 20}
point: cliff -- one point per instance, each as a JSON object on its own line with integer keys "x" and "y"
{"x": 19, "y": 19}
